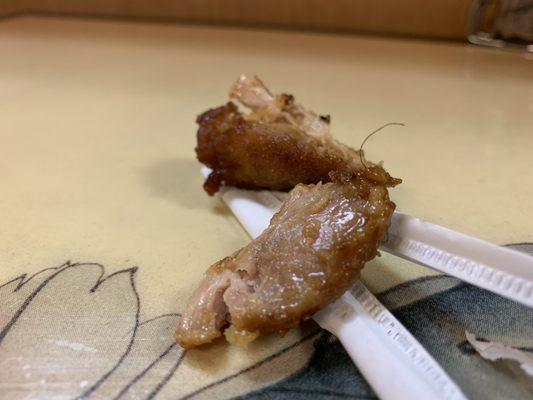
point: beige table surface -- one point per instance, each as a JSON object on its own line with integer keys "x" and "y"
{"x": 97, "y": 166}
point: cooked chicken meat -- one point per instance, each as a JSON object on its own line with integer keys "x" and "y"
{"x": 276, "y": 146}
{"x": 331, "y": 224}
{"x": 311, "y": 253}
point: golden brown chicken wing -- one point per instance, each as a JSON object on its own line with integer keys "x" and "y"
{"x": 311, "y": 253}
{"x": 276, "y": 146}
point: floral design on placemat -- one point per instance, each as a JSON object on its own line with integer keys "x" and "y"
{"x": 85, "y": 321}
{"x": 73, "y": 332}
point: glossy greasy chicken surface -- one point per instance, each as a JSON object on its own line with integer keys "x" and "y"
{"x": 276, "y": 146}
{"x": 311, "y": 253}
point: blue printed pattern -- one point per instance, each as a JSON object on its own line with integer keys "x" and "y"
{"x": 442, "y": 310}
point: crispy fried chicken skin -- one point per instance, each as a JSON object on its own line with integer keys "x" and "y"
{"x": 276, "y": 146}
{"x": 311, "y": 253}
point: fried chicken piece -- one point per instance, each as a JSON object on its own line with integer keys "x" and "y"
{"x": 311, "y": 253}
{"x": 331, "y": 224}
{"x": 276, "y": 146}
